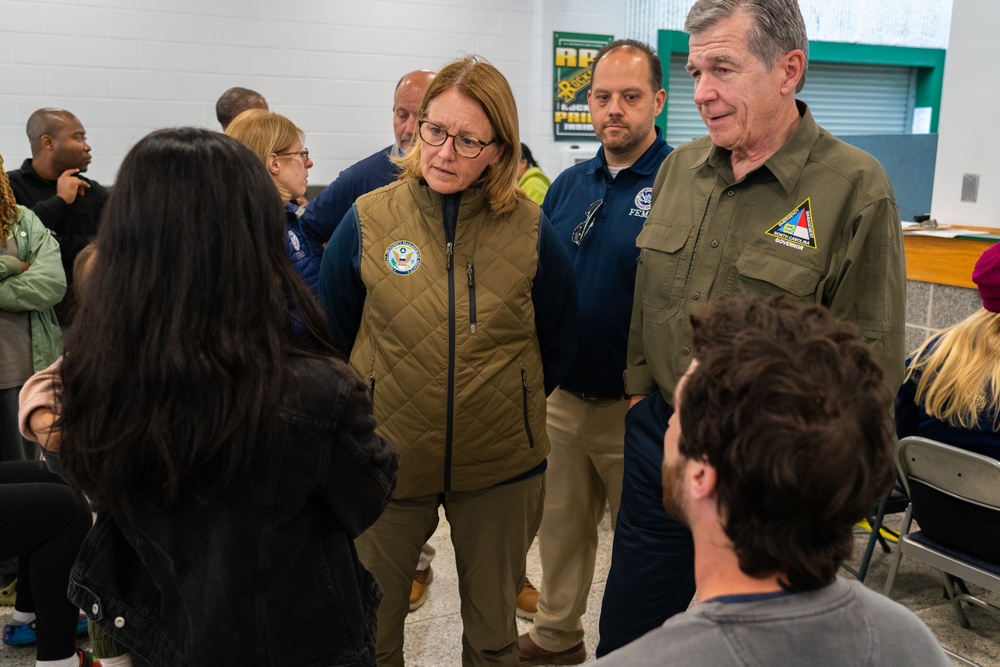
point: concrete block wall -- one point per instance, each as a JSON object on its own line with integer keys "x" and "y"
{"x": 931, "y": 307}
{"x": 127, "y": 67}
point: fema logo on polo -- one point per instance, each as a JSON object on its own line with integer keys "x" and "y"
{"x": 643, "y": 202}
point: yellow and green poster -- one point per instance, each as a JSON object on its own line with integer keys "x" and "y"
{"x": 573, "y": 53}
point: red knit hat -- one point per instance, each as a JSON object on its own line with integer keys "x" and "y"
{"x": 986, "y": 275}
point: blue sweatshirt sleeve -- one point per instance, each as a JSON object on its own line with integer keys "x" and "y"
{"x": 554, "y": 299}
{"x": 341, "y": 291}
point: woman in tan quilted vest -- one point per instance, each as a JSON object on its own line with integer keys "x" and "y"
{"x": 457, "y": 303}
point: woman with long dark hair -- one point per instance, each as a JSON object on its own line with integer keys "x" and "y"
{"x": 231, "y": 467}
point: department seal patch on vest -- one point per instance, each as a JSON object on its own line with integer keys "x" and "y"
{"x": 402, "y": 257}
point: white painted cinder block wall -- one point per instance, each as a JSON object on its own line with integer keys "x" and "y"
{"x": 127, "y": 67}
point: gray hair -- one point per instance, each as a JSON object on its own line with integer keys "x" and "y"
{"x": 777, "y": 27}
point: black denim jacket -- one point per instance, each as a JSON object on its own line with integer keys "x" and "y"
{"x": 271, "y": 578}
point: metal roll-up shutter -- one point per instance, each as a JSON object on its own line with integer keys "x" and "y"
{"x": 845, "y": 98}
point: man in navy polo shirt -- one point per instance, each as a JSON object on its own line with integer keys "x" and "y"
{"x": 597, "y": 208}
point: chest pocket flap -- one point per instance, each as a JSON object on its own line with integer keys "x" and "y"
{"x": 665, "y": 238}
{"x": 756, "y": 264}
{"x": 660, "y": 257}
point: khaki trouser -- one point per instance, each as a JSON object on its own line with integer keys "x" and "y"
{"x": 491, "y": 530}
{"x": 585, "y": 473}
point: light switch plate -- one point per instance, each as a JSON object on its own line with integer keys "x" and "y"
{"x": 970, "y": 187}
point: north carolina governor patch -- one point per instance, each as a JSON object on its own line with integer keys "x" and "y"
{"x": 796, "y": 227}
{"x": 402, "y": 257}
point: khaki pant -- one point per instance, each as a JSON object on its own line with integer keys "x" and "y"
{"x": 585, "y": 473}
{"x": 491, "y": 530}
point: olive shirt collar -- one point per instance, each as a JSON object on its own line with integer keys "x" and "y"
{"x": 785, "y": 166}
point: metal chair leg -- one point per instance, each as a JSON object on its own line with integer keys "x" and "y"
{"x": 905, "y": 529}
{"x": 956, "y": 604}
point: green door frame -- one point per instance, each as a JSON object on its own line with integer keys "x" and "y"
{"x": 929, "y": 64}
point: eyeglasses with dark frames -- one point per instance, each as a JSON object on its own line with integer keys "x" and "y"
{"x": 588, "y": 222}
{"x": 464, "y": 145}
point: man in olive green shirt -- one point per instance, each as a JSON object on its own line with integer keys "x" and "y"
{"x": 768, "y": 203}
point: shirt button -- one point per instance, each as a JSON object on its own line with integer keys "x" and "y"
{"x": 730, "y": 193}
{"x": 685, "y": 350}
{"x": 119, "y": 622}
{"x": 96, "y": 609}
{"x": 715, "y": 244}
{"x": 23, "y": 233}
{"x": 696, "y": 296}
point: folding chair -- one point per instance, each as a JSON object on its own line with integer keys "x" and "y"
{"x": 893, "y": 502}
{"x": 937, "y": 475}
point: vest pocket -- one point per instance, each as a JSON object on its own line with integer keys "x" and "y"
{"x": 525, "y": 389}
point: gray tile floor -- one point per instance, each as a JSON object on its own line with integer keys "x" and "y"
{"x": 434, "y": 632}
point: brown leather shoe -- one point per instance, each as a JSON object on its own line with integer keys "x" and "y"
{"x": 533, "y": 654}
{"x": 527, "y": 601}
{"x": 418, "y": 592}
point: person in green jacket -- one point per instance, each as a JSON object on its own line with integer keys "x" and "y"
{"x": 32, "y": 281}
{"x": 530, "y": 178}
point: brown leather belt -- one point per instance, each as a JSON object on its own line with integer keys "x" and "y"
{"x": 593, "y": 398}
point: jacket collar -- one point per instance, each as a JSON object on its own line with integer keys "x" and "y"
{"x": 29, "y": 171}
{"x": 473, "y": 199}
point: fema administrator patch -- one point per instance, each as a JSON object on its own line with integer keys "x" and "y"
{"x": 402, "y": 257}
{"x": 644, "y": 199}
{"x": 796, "y": 227}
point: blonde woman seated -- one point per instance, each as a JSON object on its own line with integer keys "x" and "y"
{"x": 950, "y": 394}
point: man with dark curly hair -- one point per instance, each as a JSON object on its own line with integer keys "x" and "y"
{"x": 778, "y": 443}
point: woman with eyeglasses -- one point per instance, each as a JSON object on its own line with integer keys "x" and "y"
{"x": 458, "y": 304}
{"x": 278, "y": 143}
{"x": 231, "y": 464}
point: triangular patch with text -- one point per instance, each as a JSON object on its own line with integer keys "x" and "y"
{"x": 796, "y": 227}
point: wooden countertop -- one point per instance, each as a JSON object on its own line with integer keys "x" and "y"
{"x": 946, "y": 261}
